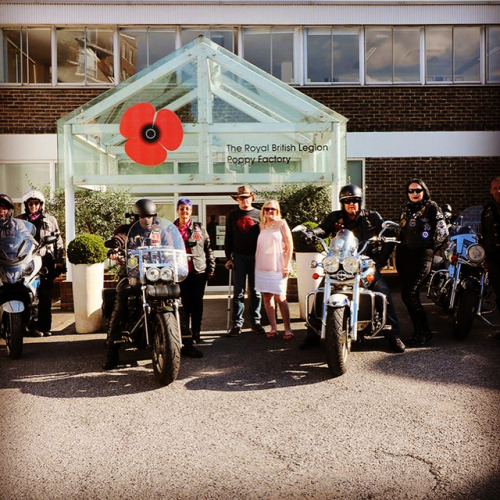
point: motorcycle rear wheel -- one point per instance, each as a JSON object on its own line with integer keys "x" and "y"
{"x": 337, "y": 342}
{"x": 166, "y": 347}
{"x": 464, "y": 313}
{"x": 14, "y": 329}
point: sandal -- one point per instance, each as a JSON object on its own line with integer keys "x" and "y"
{"x": 288, "y": 336}
{"x": 272, "y": 334}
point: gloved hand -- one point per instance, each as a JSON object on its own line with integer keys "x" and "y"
{"x": 309, "y": 237}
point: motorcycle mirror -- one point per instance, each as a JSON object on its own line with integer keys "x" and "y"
{"x": 299, "y": 228}
{"x": 48, "y": 240}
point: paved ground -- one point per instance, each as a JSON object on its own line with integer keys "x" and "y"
{"x": 253, "y": 419}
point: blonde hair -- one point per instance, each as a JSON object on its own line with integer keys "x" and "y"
{"x": 276, "y": 204}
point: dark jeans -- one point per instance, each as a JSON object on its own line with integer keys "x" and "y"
{"x": 244, "y": 266}
{"x": 494, "y": 279}
{"x": 413, "y": 268}
{"x": 192, "y": 291}
{"x": 116, "y": 323}
{"x": 44, "y": 318}
{"x": 381, "y": 286}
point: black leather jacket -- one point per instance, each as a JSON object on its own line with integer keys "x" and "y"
{"x": 199, "y": 242}
{"x": 490, "y": 230}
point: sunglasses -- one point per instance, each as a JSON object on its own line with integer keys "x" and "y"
{"x": 418, "y": 191}
{"x": 270, "y": 209}
{"x": 349, "y": 201}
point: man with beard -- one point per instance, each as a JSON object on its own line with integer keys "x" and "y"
{"x": 242, "y": 231}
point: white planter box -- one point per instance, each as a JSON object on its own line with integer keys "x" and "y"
{"x": 88, "y": 282}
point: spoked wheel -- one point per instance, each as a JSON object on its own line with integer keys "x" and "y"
{"x": 166, "y": 347}
{"x": 464, "y": 314}
{"x": 13, "y": 325}
{"x": 337, "y": 341}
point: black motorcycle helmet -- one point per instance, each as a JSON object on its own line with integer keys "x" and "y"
{"x": 144, "y": 208}
{"x": 6, "y": 201}
{"x": 447, "y": 211}
{"x": 351, "y": 191}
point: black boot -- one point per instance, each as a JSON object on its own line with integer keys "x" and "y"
{"x": 189, "y": 350}
{"x": 419, "y": 339}
{"x": 112, "y": 358}
{"x": 396, "y": 343}
{"x": 422, "y": 335}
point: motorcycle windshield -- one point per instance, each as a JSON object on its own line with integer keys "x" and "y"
{"x": 468, "y": 221}
{"x": 343, "y": 244}
{"x": 17, "y": 242}
{"x": 156, "y": 251}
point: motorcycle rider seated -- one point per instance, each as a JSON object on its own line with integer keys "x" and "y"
{"x": 8, "y": 225}
{"x": 364, "y": 224}
{"x": 52, "y": 256}
{"x": 145, "y": 212}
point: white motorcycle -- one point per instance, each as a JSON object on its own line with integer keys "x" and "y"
{"x": 20, "y": 273}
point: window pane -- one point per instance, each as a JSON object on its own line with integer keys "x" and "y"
{"x": 70, "y": 55}
{"x": 466, "y": 51}
{"x": 319, "y": 56}
{"x": 16, "y": 179}
{"x": 99, "y": 55}
{"x": 493, "y": 54}
{"x": 224, "y": 38}
{"x": 161, "y": 43}
{"x": 282, "y": 52}
{"x": 257, "y": 48}
{"x": 378, "y": 55}
{"x": 346, "y": 56}
{"x": 406, "y": 55}
{"x": 438, "y": 43}
{"x": 133, "y": 52}
{"x": 11, "y": 56}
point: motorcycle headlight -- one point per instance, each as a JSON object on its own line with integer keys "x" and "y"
{"x": 153, "y": 274}
{"x": 330, "y": 264}
{"x": 476, "y": 253}
{"x": 351, "y": 265}
{"x": 167, "y": 274}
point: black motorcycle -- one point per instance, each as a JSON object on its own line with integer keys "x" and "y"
{"x": 156, "y": 263}
{"x": 460, "y": 286}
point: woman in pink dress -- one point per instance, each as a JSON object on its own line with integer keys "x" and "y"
{"x": 272, "y": 265}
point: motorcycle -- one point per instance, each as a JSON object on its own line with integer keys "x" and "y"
{"x": 460, "y": 286}
{"x": 20, "y": 274}
{"x": 156, "y": 263}
{"x": 343, "y": 310}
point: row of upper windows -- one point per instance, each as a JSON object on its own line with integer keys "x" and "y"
{"x": 97, "y": 55}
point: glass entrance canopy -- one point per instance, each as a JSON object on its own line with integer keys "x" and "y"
{"x": 210, "y": 120}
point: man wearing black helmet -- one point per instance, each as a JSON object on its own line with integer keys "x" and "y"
{"x": 364, "y": 224}
{"x": 145, "y": 212}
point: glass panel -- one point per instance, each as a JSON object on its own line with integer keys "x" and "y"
{"x": 224, "y": 38}
{"x": 406, "y": 54}
{"x": 319, "y": 56}
{"x": 282, "y": 55}
{"x": 189, "y": 168}
{"x": 345, "y": 55}
{"x": 16, "y": 179}
{"x": 438, "y": 42}
{"x": 355, "y": 172}
{"x": 257, "y": 48}
{"x": 12, "y": 56}
{"x": 133, "y": 52}
{"x": 378, "y": 54}
{"x": 99, "y": 55}
{"x": 70, "y": 55}
{"x": 161, "y": 43}
{"x": 466, "y": 52}
{"x": 127, "y": 168}
{"x": 493, "y": 42}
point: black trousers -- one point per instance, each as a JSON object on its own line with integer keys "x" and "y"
{"x": 192, "y": 291}
{"x": 414, "y": 266}
{"x": 44, "y": 317}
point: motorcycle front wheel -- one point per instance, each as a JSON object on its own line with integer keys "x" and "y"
{"x": 166, "y": 347}
{"x": 337, "y": 341}
{"x": 464, "y": 313}
{"x": 13, "y": 325}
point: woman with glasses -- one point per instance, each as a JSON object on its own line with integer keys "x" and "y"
{"x": 272, "y": 266}
{"x": 422, "y": 231}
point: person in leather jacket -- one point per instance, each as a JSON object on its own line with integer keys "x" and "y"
{"x": 201, "y": 262}
{"x": 490, "y": 237}
{"x": 364, "y": 224}
{"x": 52, "y": 257}
{"x": 422, "y": 231}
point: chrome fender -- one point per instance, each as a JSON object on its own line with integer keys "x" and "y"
{"x": 12, "y": 306}
{"x": 338, "y": 300}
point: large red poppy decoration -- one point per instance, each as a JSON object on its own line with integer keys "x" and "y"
{"x": 150, "y": 135}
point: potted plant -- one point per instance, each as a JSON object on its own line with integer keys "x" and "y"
{"x": 87, "y": 254}
{"x": 305, "y": 253}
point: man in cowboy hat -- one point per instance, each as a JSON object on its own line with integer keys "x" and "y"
{"x": 242, "y": 231}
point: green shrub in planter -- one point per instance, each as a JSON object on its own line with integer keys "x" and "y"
{"x": 87, "y": 249}
{"x": 299, "y": 241}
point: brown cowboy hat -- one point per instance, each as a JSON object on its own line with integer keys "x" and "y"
{"x": 243, "y": 192}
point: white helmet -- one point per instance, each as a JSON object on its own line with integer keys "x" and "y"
{"x": 33, "y": 195}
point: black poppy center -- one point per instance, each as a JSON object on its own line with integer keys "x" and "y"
{"x": 151, "y": 133}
